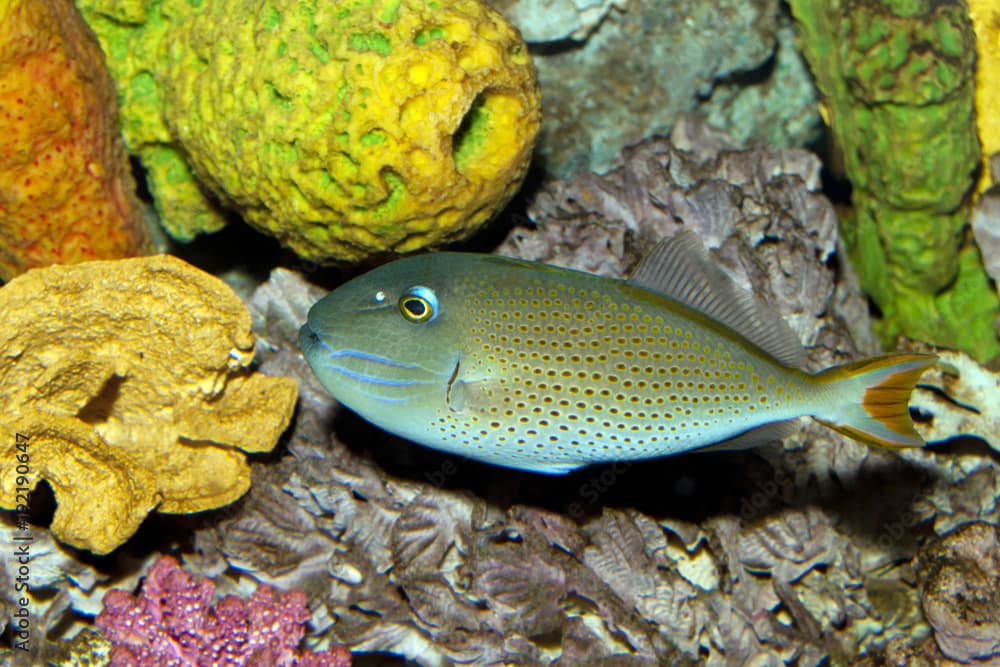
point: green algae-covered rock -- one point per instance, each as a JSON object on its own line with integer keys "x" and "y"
{"x": 897, "y": 76}
{"x": 342, "y": 128}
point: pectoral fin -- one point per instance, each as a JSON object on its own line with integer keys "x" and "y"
{"x": 474, "y": 396}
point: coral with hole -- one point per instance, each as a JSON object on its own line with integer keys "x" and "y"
{"x": 898, "y": 85}
{"x": 66, "y": 190}
{"x": 343, "y": 129}
{"x": 126, "y": 386}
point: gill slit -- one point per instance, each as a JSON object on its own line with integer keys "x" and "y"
{"x": 451, "y": 382}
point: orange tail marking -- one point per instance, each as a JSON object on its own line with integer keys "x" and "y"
{"x": 887, "y": 402}
{"x": 880, "y": 415}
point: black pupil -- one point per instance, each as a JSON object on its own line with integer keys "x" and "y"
{"x": 415, "y": 307}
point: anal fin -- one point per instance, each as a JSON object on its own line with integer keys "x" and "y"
{"x": 756, "y": 436}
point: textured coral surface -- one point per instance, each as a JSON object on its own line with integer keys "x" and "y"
{"x": 66, "y": 190}
{"x": 898, "y": 80}
{"x": 613, "y": 72}
{"x": 959, "y": 573}
{"x": 342, "y": 129}
{"x": 986, "y": 222}
{"x": 128, "y": 380}
{"x": 173, "y": 621}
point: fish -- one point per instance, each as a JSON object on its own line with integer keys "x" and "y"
{"x": 540, "y": 368}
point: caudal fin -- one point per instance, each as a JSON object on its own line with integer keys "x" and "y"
{"x": 873, "y": 398}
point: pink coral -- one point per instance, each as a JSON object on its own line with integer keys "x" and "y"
{"x": 172, "y": 623}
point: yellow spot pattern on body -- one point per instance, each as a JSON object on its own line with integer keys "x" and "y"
{"x": 588, "y": 372}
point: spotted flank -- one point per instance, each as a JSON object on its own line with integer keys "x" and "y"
{"x": 531, "y": 366}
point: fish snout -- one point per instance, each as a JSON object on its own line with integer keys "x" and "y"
{"x": 308, "y": 339}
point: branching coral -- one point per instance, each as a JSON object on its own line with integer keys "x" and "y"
{"x": 63, "y": 595}
{"x": 128, "y": 383}
{"x": 66, "y": 189}
{"x": 173, "y": 622}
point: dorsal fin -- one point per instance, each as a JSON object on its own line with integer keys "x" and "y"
{"x": 679, "y": 267}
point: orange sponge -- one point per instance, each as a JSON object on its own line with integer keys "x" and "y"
{"x": 66, "y": 192}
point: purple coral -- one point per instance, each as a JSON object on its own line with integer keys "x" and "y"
{"x": 172, "y": 623}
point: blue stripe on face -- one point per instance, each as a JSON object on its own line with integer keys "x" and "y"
{"x": 367, "y": 356}
{"x": 373, "y": 379}
{"x": 364, "y": 356}
{"x": 384, "y": 399}
{"x": 364, "y": 379}
{"x": 365, "y": 383}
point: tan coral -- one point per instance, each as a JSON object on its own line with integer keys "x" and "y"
{"x": 129, "y": 381}
{"x": 959, "y": 397}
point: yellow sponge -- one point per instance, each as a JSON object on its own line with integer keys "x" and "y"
{"x": 342, "y": 128}
{"x": 986, "y": 22}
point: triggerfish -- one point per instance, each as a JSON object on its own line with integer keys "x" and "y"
{"x": 531, "y": 366}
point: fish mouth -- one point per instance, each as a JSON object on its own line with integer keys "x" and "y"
{"x": 308, "y": 339}
{"x": 372, "y": 375}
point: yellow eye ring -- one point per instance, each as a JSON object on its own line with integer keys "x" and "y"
{"x": 418, "y": 305}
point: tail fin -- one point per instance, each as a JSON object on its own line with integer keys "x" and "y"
{"x": 872, "y": 399}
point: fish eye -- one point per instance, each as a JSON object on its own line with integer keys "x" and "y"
{"x": 418, "y": 305}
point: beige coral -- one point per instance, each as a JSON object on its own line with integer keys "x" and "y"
{"x": 129, "y": 385}
{"x": 959, "y": 397}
